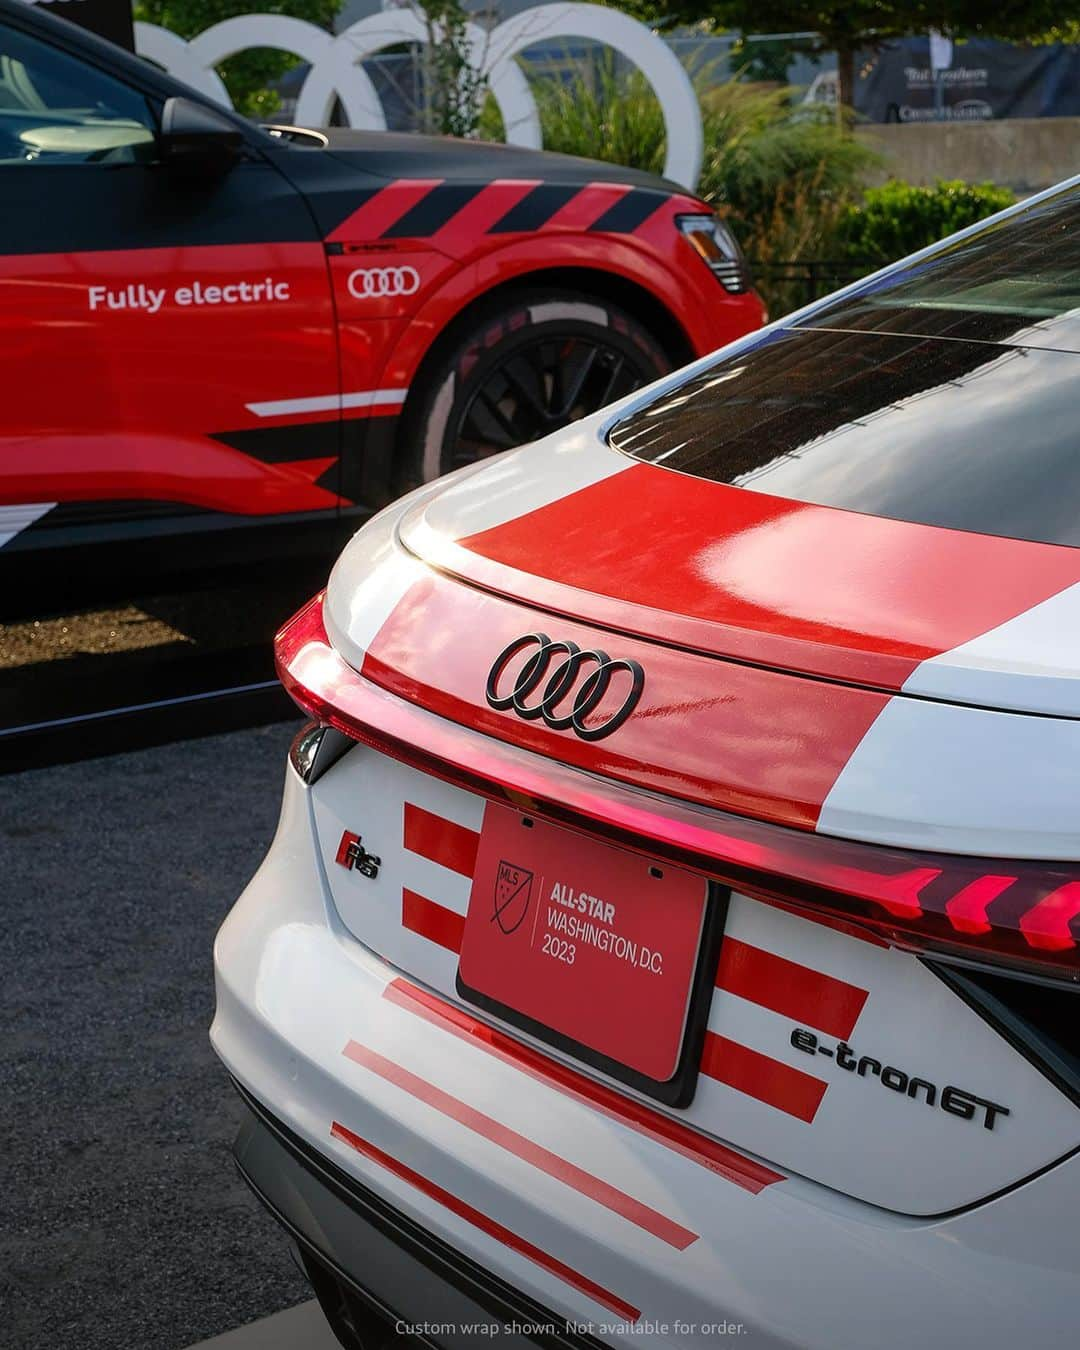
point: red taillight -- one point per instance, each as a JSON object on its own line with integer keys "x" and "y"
{"x": 1021, "y": 913}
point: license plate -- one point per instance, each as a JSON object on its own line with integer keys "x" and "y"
{"x": 591, "y": 947}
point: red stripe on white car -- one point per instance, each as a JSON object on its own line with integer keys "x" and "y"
{"x": 708, "y": 1153}
{"x": 439, "y": 840}
{"x": 785, "y": 739}
{"x": 431, "y": 920}
{"x": 543, "y": 1159}
{"x": 793, "y": 990}
{"x": 756, "y": 577}
{"x": 486, "y": 1224}
{"x": 748, "y": 1071}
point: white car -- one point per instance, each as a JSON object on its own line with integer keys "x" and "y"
{"x": 671, "y": 931}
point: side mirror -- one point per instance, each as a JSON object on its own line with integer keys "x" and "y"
{"x": 198, "y": 138}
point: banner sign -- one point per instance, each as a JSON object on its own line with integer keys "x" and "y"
{"x": 984, "y": 80}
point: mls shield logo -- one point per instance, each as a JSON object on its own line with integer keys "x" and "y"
{"x": 513, "y": 892}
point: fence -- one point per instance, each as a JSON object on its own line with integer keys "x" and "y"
{"x": 789, "y": 285}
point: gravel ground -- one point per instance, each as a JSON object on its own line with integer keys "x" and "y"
{"x": 122, "y": 1221}
{"x": 218, "y": 619}
{"x": 100, "y": 633}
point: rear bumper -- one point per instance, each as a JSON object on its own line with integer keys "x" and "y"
{"x": 422, "y": 1285}
{"x": 793, "y": 1263}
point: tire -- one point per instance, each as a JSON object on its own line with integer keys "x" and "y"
{"x": 518, "y": 369}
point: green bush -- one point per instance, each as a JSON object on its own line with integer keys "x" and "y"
{"x": 898, "y": 218}
{"x": 596, "y": 114}
{"x": 779, "y": 172}
{"x": 788, "y": 178}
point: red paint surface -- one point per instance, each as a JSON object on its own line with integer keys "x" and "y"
{"x": 156, "y": 465}
{"x": 145, "y": 393}
{"x": 460, "y": 234}
{"x": 748, "y": 740}
{"x": 763, "y": 579}
{"x": 698, "y": 1148}
{"x": 491, "y": 1227}
{"x": 588, "y": 206}
{"x": 654, "y": 258}
{"x": 790, "y": 989}
{"x": 442, "y": 841}
{"x": 432, "y": 921}
{"x": 630, "y": 1006}
{"x": 382, "y": 210}
{"x": 789, "y": 1090}
{"x": 543, "y": 1159}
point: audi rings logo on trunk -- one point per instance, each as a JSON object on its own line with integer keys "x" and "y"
{"x": 554, "y": 680}
{"x": 367, "y": 283}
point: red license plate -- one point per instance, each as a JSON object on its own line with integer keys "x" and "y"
{"x": 587, "y": 944}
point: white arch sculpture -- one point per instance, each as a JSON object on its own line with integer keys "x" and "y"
{"x": 336, "y": 71}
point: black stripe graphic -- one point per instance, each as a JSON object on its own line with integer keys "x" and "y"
{"x": 107, "y": 512}
{"x": 433, "y": 211}
{"x": 280, "y": 444}
{"x": 535, "y": 209}
{"x": 629, "y": 212}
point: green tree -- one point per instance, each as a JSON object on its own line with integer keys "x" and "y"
{"x": 454, "y": 88}
{"x": 847, "y": 27}
{"x": 248, "y": 75}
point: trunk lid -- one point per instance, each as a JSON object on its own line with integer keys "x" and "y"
{"x": 574, "y": 527}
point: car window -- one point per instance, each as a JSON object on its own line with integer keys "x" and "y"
{"x": 967, "y": 435}
{"x": 56, "y": 109}
{"x": 1016, "y": 280}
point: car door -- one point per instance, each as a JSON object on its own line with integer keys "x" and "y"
{"x": 167, "y": 339}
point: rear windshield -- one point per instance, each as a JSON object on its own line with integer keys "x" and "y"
{"x": 1016, "y": 281}
{"x": 961, "y": 434}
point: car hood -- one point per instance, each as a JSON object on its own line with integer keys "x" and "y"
{"x": 404, "y": 155}
{"x": 573, "y": 527}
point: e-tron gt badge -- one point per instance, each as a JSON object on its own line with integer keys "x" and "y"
{"x": 538, "y": 677}
{"x": 953, "y": 1100}
{"x": 352, "y": 855}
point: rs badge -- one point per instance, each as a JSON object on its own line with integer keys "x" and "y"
{"x": 352, "y": 855}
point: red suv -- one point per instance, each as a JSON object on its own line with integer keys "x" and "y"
{"x": 207, "y": 325}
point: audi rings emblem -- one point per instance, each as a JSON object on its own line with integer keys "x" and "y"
{"x": 366, "y": 283}
{"x": 537, "y": 677}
